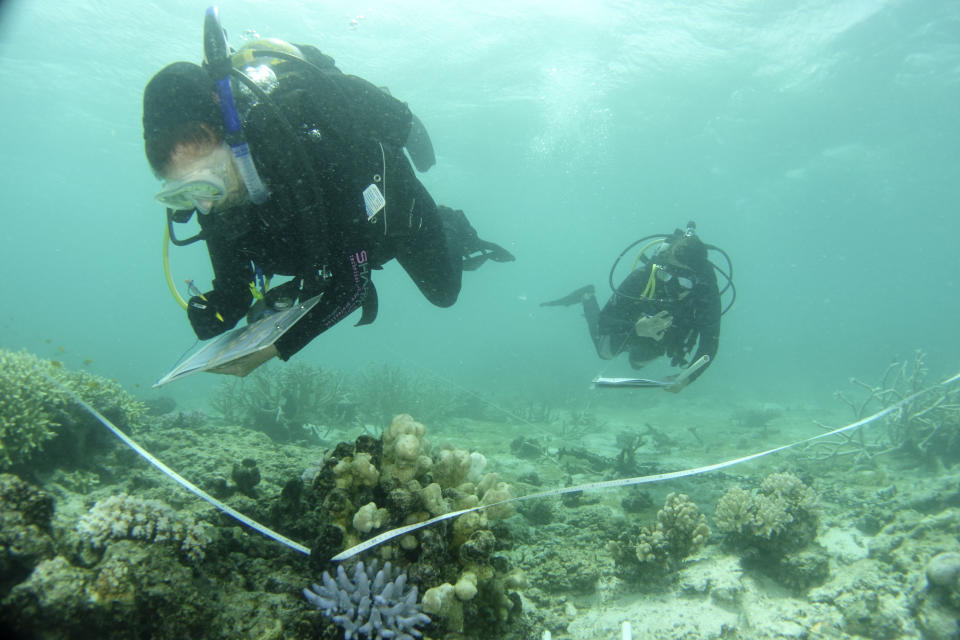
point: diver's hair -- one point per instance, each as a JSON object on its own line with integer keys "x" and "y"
{"x": 160, "y": 147}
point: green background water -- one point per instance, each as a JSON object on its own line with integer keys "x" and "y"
{"x": 816, "y": 141}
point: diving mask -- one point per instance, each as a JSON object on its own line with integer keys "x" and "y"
{"x": 197, "y": 190}
{"x": 666, "y": 274}
{"x": 202, "y": 187}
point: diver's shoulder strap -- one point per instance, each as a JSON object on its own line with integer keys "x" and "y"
{"x": 318, "y": 58}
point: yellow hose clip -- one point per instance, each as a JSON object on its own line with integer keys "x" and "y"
{"x": 651, "y": 289}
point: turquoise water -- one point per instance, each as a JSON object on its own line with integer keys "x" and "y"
{"x": 816, "y": 142}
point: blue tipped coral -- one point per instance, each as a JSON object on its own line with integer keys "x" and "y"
{"x": 375, "y": 604}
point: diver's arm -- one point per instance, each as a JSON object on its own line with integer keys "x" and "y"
{"x": 708, "y": 317}
{"x": 419, "y": 146}
{"x": 343, "y": 293}
{"x": 319, "y": 319}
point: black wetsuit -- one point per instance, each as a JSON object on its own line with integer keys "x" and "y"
{"x": 696, "y": 320}
{"x": 343, "y": 135}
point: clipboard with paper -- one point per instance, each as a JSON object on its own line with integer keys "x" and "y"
{"x": 220, "y": 354}
{"x": 649, "y": 383}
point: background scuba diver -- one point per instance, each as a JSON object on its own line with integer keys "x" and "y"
{"x": 339, "y": 195}
{"x": 665, "y": 308}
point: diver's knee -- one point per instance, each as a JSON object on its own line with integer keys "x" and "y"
{"x": 443, "y": 296}
{"x": 445, "y": 300}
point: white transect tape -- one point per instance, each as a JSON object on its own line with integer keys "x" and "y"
{"x": 393, "y": 533}
{"x": 183, "y": 482}
{"x": 626, "y": 482}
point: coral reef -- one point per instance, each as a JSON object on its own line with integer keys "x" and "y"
{"x": 781, "y": 513}
{"x": 376, "y": 603}
{"x": 943, "y": 573}
{"x": 774, "y": 527}
{"x": 922, "y": 552}
{"x": 30, "y": 406}
{"x": 927, "y": 428}
{"x": 284, "y": 403}
{"x": 756, "y": 418}
{"x": 405, "y": 450}
{"x": 133, "y": 591}
{"x": 245, "y": 476}
{"x": 128, "y": 517}
{"x": 680, "y": 531}
{"x": 131, "y": 565}
{"x": 35, "y": 404}
{"x": 130, "y": 590}
{"x": 401, "y": 479}
{"x": 379, "y": 393}
{"x": 25, "y": 533}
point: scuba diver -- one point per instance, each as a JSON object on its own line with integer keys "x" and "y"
{"x": 667, "y": 307}
{"x": 296, "y": 169}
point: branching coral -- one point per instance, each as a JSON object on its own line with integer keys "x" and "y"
{"x": 928, "y": 426}
{"x": 780, "y": 513}
{"x": 282, "y": 403}
{"x": 774, "y": 528}
{"x": 680, "y": 531}
{"x": 375, "y": 604}
{"x": 30, "y": 406}
{"x": 380, "y": 393}
{"x": 35, "y": 402}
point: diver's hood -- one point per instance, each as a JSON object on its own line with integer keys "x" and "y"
{"x": 684, "y": 252}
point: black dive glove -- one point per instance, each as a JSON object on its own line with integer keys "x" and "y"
{"x": 206, "y": 319}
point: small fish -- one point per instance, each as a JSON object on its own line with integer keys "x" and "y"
{"x": 57, "y": 364}
{"x": 194, "y": 291}
{"x": 88, "y": 361}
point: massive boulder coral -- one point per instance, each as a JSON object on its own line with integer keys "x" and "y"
{"x": 405, "y": 449}
{"x": 680, "y": 531}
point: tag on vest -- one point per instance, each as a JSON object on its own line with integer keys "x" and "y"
{"x": 373, "y": 200}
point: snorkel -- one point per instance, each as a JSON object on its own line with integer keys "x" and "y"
{"x": 216, "y": 60}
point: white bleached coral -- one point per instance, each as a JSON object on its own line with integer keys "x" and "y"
{"x": 369, "y": 517}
